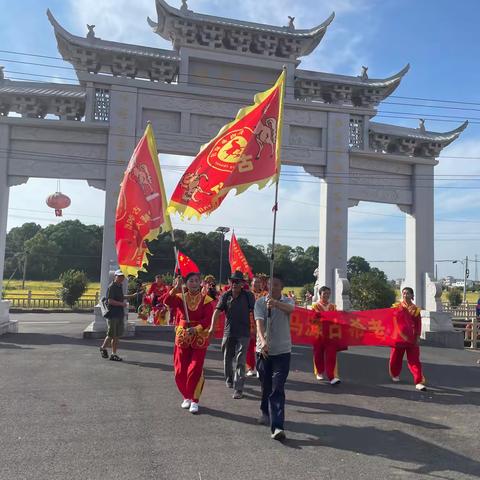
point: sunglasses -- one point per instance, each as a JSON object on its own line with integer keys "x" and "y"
{"x": 236, "y": 282}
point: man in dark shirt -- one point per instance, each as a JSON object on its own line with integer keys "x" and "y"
{"x": 238, "y": 305}
{"x": 116, "y": 314}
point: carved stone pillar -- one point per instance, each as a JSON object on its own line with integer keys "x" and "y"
{"x": 419, "y": 251}
{"x": 121, "y": 143}
{"x": 334, "y": 204}
{"x": 5, "y": 324}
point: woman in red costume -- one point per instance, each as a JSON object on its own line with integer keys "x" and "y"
{"x": 325, "y": 356}
{"x": 413, "y": 351}
{"x": 191, "y": 337}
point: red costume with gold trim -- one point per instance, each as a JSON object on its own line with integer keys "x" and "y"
{"x": 324, "y": 356}
{"x": 251, "y": 360}
{"x": 413, "y": 351}
{"x": 190, "y": 349}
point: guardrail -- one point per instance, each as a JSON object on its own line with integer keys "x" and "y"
{"x": 30, "y": 300}
{"x": 464, "y": 319}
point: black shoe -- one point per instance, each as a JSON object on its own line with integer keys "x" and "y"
{"x": 229, "y": 384}
{"x": 103, "y": 352}
{"x": 237, "y": 394}
{"x": 115, "y": 358}
{"x": 264, "y": 419}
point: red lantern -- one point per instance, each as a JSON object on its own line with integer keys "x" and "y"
{"x": 58, "y": 201}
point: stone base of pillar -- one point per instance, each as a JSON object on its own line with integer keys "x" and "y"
{"x": 98, "y": 328}
{"x": 438, "y": 331}
{"x": 6, "y": 325}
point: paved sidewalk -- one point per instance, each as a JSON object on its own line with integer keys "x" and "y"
{"x": 68, "y": 414}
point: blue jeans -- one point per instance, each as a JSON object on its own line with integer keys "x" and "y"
{"x": 273, "y": 372}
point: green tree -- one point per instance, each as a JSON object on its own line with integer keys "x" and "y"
{"x": 455, "y": 297}
{"x": 357, "y": 265}
{"x": 370, "y": 290}
{"x": 74, "y": 285}
{"x": 42, "y": 258}
{"x": 15, "y": 248}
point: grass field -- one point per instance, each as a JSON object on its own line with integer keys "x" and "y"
{"x": 47, "y": 287}
{"x": 42, "y": 287}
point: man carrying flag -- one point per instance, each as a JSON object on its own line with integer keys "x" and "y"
{"x": 141, "y": 209}
{"x": 245, "y": 152}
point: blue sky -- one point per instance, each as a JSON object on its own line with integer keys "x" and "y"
{"x": 437, "y": 37}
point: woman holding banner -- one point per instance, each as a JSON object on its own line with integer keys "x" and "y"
{"x": 191, "y": 336}
{"x": 325, "y": 356}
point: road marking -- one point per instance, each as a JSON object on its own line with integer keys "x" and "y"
{"x": 36, "y": 323}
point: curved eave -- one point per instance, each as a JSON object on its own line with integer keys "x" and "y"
{"x": 390, "y": 82}
{"x": 46, "y": 90}
{"x": 108, "y": 46}
{"x": 413, "y": 133}
{"x": 164, "y": 10}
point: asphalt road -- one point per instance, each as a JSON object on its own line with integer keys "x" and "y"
{"x": 68, "y": 414}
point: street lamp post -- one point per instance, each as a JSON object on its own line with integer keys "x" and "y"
{"x": 223, "y": 231}
{"x": 466, "y": 274}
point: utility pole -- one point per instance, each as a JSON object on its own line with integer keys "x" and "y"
{"x": 476, "y": 269}
{"x": 223, "y": 231}
{"x": 25, "y": 259}
{"x": 466, "y": 274}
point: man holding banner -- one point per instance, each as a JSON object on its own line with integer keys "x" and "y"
{"x": 274, "y": 347}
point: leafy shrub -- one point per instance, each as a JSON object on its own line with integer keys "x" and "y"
{"x": 74, "y": 284}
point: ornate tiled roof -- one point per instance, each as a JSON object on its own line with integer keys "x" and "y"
{"x": 358, "y": 91}
{"x": 94, "y": 55}
{"x": 36, "y": 100}
{"x": 187, "y": 28}
{"x": 410, "y": 141}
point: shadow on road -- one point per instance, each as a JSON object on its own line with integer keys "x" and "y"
{"x": 391, "y": 444}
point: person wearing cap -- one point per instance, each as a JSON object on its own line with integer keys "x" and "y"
{"x": 116, "y": 300}
{"x": 237, "y": 304}
{"x": 191, "y": 337}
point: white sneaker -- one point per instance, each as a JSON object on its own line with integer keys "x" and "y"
{"x": 278, "y": 434}
{"x": 258, "y": 375}
{"x": 320, "y": 377}
{"x": 395, "y": 379}
{"x": 186, "y": 403}
{"x": 250, "y": 373}
{"x": 421, "y": 387}
{"x": 193, "y": 407}
{"x": 335, "y": 381}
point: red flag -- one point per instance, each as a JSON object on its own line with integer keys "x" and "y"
{"x": 237, "y": 258}
{"x": 186, "y": 265}
{"x": 245, "y": 152}
{"x": 141, "y": 206}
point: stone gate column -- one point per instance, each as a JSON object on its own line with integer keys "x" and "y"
{"x": 419, "y": 252}
{"x": 121, "y": 143}
{"x": 4, "y": 193}
{"x": 334, "y": 200}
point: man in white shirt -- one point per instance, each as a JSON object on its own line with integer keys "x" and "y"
{"x": 274, "y": 347}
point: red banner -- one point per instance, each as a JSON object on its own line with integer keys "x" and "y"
{"x": 237, "y": 258}
{"x": 141, "y": 206}
{"x": 386, "y": 327}
{"x": 245, "y": 152}
{"x": 186, "y": 265}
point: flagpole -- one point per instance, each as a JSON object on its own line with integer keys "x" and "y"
{"x": 275, "y": 206}
{"x": 175, "y": 252}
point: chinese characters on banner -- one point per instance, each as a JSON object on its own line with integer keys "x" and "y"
{"x": 245, "y": 152}
{"x": 141, "y": 209}
{"x": 386, "y": 327}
